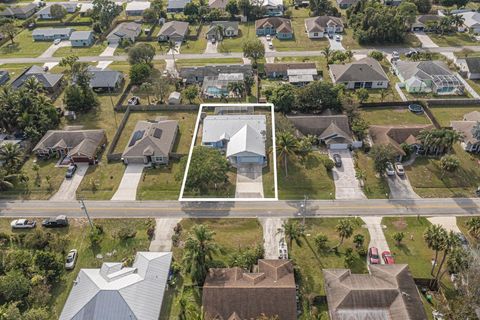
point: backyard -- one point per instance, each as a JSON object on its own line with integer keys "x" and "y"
{"x": 446, "y": 113}
{"x": 392, "y": 116}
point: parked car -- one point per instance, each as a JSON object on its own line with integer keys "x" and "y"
{"x": 270, "y": 44}
{"x": 395, "y": 55}
{"x": 373, "y": 256}
{"x": 71, "y": 171}
{"x": 214, "y": 40}
{"x": 330, "y": 36}
{"x": 399, "y": 169}
{"x": 23, "y": 224}
{"x": 133, "y": 101}
{"x": 71, "y": 259}
{"x": 387, "y": 257}
{"x": 337, "y": 38}
{"x": 338, "y": 160}
{"x": 57, "y": 41}
{"x": 390, "y": 170}
{"x": 268, "y": 37}
{"x": 55, "y": 222}
{"x": 411, "y": 53}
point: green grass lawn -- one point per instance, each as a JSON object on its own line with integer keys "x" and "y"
{"x": 392, "y": 116}
{"x": 305, "y": 177}
{"x": 375, "y": 186}
{"x": 246, "y": 31}
{"x": 447, "y": 113}
{"x": 24, "y": 46}
{"x": 94, "y": 50}
{"x": 268, "y": 178}
{"x": 426, "y": 177}
{"x": 350, "y": 43}
{"x": 462, "y": 225}
{"x": 202, "y": 62}
{"x": 453, "y": 40}
{"x": 310, "y": 261}
{"x": 76, "y": 235}
{"x": 160, "y": 183}
{"x": 300, "y": 40}
{"x": 197, "y": 46}
{"x": 230, "y": 235}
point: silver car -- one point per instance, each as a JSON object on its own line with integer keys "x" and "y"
{"x": 71, "y": 259}
{"x": 390, "y": 170}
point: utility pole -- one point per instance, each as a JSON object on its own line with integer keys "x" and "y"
{"x": 84, "y": 208}
{"x": 303, "y": 206}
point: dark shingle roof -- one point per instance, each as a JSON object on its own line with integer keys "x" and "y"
{"x": 48, "y": 80}
{"x": 473, "y": 64}
{"x": 366, "y": 69}
{"x": 396, "y": 135}
{"x": 80, "y": 142}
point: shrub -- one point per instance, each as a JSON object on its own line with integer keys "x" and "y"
{"x": 150, "y": 233}
{"x": 377, "y": 55}
{"x": 358, "y": 239}
{"x": 349, "y": 257}
{"x": 37, "y": 240}
{"x": 362, "y": 251}
{"x": 4, "y": 238}
{"x": 398, "y": 237}
{"x": 126, "y": 233}
{"x": 175, "y": 240}
{"x": 321, "y": 241}
{"x": 328, "y": 164}
{"x": 95, "y": 236}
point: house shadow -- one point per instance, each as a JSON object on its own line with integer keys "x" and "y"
{"x": 468, "y": 205}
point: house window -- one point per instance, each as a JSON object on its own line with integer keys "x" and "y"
{"x": 315, "y": 34}
{"x": 159, "y": 159}
{"x": 368, "y": 85}
{"x": 379, "y": 83}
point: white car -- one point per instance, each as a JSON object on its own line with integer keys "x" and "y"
{"x": 390, "y": 170}
{"x": 395, "y": 55}
{"x": 71, "y": 259}
{"x": 268, "y": 37}
{"x": 23, "y": 224}
{"x": 337, "y": 38}
{"x": 399, "y": 169}
{"x": 57, "y": 41}
{"x": 270, "y": 44}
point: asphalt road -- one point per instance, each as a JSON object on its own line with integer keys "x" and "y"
{"x": 233, "y": 55}
{"x": 244, "y": 209}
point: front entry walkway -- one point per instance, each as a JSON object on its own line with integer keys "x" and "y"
{"x": 249, "y": 181}
{"x": 127, "y": 190}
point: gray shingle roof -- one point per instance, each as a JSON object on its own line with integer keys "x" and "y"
{"x": 280, "y": 24}
{"x": 473, "y": 64}
{"x": 423, "y": 70}
{"x": 225, "y": 25}
{"x": 80, "y": 35}
{"x": 172, "y": 28}
{"x": 48, "y": 80}
{"x": 18, "y": 10}
{"x": 323, "y": 126}
{"x": 46, "y": 32}
{"x": 104, "y": 78}
{"x": 80, "y": 142}
{"x": 320, "y": 23}
{"x": 126, "y": 29}
{"x": 366, "y": 69}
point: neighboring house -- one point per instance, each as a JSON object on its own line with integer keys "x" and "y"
{"x": 296, "y": 73}
{"x": 151, "y": 142}
{"x": 220, "y": 29}
{"x": 428, "y": 76}
{"x": 273, "y": 8}
{"x": 332, "y": 130}
{"x": 50, "y": 81}
{"x": 233, "y": 293}
{"x": 177, "y": 5}
{"x": 50, "y": 34}
{"x": 345, "y": 4}
{"x": 387, "y": 292}
{"x": 470, "y": 142}
{"x": 136, "y": 8}
{"x": 77, "y": 145}
{"x": 218, "y": 86}
{"x": 217, "y": 4}
{"x": 425, "y": 22}
{"x": 365, "y": 73}
{"x": 118, "y": 292}
{"x": 105, "y": 79}
{"x": 125, "y": 30}
{"x": 173, "y": 31}
{"x": 82, "y": 38}
{"x": 193, "y": 75}
{"x": 4, "y": 77}
{"x": 472, "y": 21}
{"x": 274, "y": 26}
{"x": 322, "y": 26}
{"x": 395, "y": 136}
{"x": 46, "y": 14}
{"x": 470, "y": 67}
{"x": 242, "y": 137}
{"x": 85, "y": 8}
{"x": 19, "y": 12}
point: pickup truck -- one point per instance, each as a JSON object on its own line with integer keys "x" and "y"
{"x": 23, "y": 224}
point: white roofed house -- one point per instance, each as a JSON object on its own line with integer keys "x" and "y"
{"x": 472, "y": 21}
{"x": 241, "y": 137}
{"x": 136, "y": 8}
{"x": 273, "y": 8}
{"x": 115, "y": 292}
{"x": 301, "y": 77}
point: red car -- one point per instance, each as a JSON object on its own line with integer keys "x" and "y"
{"x": 387, "y": 257}
{"x": 373, "y": 256}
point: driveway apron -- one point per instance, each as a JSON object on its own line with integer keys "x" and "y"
{"x": 271, "y": 236}
{"x": 68, "y": 188}
{"x": 249, "y": 181}
{"x": 346, "y": 184}
{"x": 162, "y": 241}
{"x": 377, "y": 237}
{"x": 400, "y": 188}
{"x": 127, "y": 190}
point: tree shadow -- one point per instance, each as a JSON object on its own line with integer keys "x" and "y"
{"x": 10, "y": 48}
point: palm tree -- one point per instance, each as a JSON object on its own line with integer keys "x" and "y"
{"x": 146, "y": 88}
{"x": 349, "y": 55}
{"x": 294, "y": 231}
{"x": 344, "y": 229}
{"x": 32, "y": 85}
{"x": 435, "y": 236}
{"x": 7, "y": 180}
{"x": 457, "y": 20}
{"x": 473, "y": 225}
{"x": 287, "y": 146}
{"x": 199, "y": 248}
{"x": 238, "y": 88}
{"x": 451, "y": 241}
{"x": 327, "y": 52}
{"x": 12, "y": 155}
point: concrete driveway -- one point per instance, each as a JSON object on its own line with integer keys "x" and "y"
{"x": 377, "y": 237}
{"x": 162, "y": 240}
{"x": 54, "y": 47}
{"x": 108, "y": 52}
{"x": 68, "y": 188}
{"x": 336, "y": 45}
{"x": 249, "y": 181}
{"x": 448, "y": 223}
{"x": 271, "y": 236}
{"x": 346, "y": 184}
{"x": 127, "y": 190}
{"x": 211, "y": 47}
{"x": 425, "y": 40}
{"x": 400, "y": 188}
{"x": 267, "y": 49}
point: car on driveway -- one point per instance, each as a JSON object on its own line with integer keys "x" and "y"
{"x": 71, "y": 171}
{"x": 337, "y": 38}
{"x": 373, "y": 256}
{"x": 55, "y": 222}
{"x": 57, "y": 41}
{"x": 270, "y": 44}
{"x": 399, "y": 169}
{"x": 390, "y": 171}
{"x": 395, "y": 55}
{"x": 71, "y": 259}
{"x": 268, "y": 37}
{"x": 23, "y": 224}
{"x": 387, "y": 257}
{"x": 411, "y": 53}
{"x": 337, "y": 159}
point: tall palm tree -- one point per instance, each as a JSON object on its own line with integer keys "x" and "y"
{"x": 7, "y": 180}
{"x": 238, "y": 88}
{"x": 473, "y": 225}
{"x": 199, "y": 248}
{"x": 32, "y": 85}
{"x": 435, "y": 236}
{"x": 344, "y": 229}
{"x": 287, "y": 146}
{"x": 293, "y": 231}
{"x": 327, "y": 53}
{"x": 451, "y": 242}
{"x": 12, "y": 155}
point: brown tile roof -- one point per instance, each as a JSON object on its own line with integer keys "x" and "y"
{"x": 283, "y": 67}
{"x": 396, "y": 135}
{"x": 388, "y": 292}
{"x": 232, "y": 293}
{"x": 280, "y": 24}
{"x": 79, "y": 142}
{"x": 320, "y": 23}
{"x": 321, "y": 125}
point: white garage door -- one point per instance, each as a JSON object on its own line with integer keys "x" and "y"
{"x": 338, "y": 146}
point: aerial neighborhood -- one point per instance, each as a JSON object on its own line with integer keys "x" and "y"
{"x": 240, "y": 159}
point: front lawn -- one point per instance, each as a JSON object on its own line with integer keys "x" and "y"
{"x": 392, "y": 116}
{"x": 197, "y": 46}
{"x": 246, "y": 31}
{"x": 425, "y": 176}
{"x": 305, "y": 177}
{"x": 375, "y": 186}
{"x": 202, "y": 62}
{"x": 24, "y": 46}
{"x": 453, "y": 40}
{"x": 300, "y": 40}
{"x": 462, "y": 225}
{"x": 445, "y": 114}
{"x": 350, "y": 43}
{"x": 92, "y": 51}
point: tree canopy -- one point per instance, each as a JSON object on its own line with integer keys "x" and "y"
{"x": 318, "y": 96}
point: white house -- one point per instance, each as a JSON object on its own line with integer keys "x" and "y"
{"x": 469, "y": 67}
{"x": 470, "y": 142}
{"x": 472, "y": 21}
{"x": 136, "y": 8}
{"x": 319, "y": 27}
{"x": 115, "y": 292}
{"x": 273, "y": 8}
{"x": 46, "y": 14}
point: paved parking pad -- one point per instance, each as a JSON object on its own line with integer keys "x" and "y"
{"x": 249, "y": 182}
{"x": 68, "y": 188}
{"x": 127, "y": 190}
{"x": 346, "y": 184}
